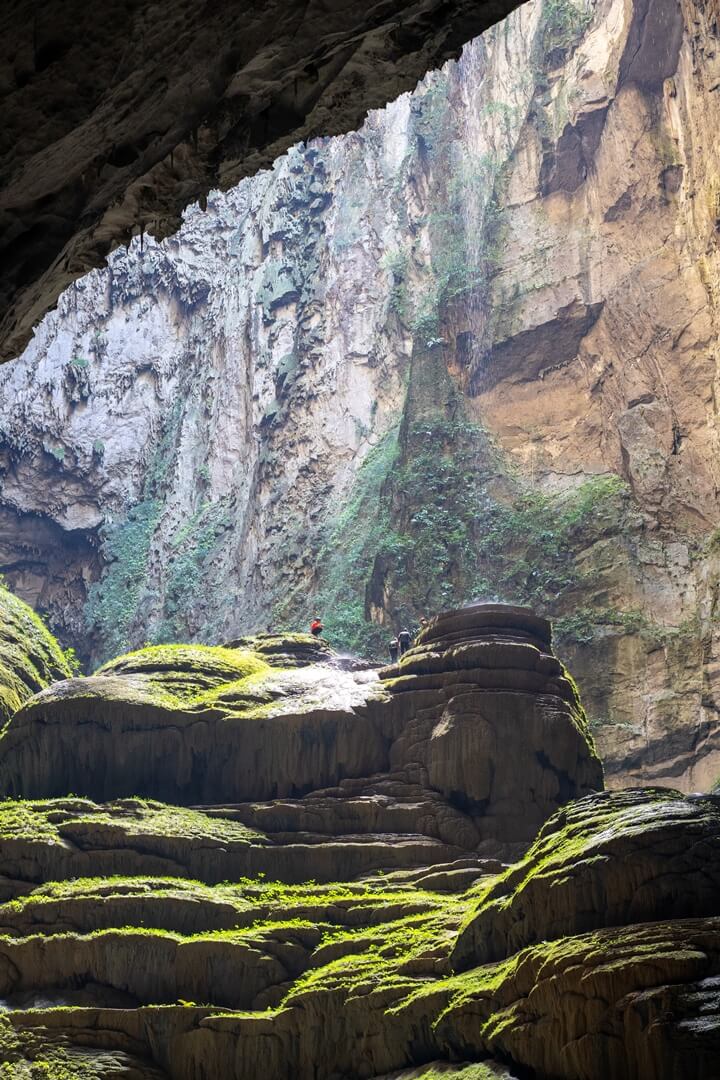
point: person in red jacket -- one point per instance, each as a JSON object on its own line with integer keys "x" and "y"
{"x": 316, "y": 627}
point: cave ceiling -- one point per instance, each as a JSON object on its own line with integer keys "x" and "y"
{"x": 116, "y": 116}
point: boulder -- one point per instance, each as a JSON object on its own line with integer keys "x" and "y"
{"x": 488, "y": 704}
{"x": 30, "y": 657}
{"x": 636, "y": 1002}
{"x": 479, "y": 702}
{"x": 607, "y": 860}
{"x": 194, "y": 724}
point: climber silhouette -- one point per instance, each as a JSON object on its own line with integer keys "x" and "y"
{"x": 316, "y": 627}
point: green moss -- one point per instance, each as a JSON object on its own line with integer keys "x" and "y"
{"x": 30, "y": 657}
{"x": 213, "y": 662}
{"x": 712, "y": 542}
{"x": 396, "y": 265}
{"x": 73, "y": 661}
{"x": 49, "y": 819}
{"x": 476, "y": 1071}
{"x": 572, "y": 839}
{"x": 32, "y": 1054}
{"x": 192, "y": 677}
{"x": 25, "y": 820}
{"x": 394, "y": 954}
{"x": 562, "y": 25}
{"x": 113, "y": 601}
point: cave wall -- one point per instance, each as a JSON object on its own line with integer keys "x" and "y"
{"x": 469, "y": 350}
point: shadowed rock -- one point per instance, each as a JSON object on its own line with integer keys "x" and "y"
{"x": 606, "y": 860}
{"x": 490, "y": 704}
{"x": 107, "y": 132}
{"x": 627, "y": 1002}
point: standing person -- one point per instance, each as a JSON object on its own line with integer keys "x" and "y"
{"x": 404, "y": 640}
{"x": 316, "y": 627}
{"x": 394, "y": 647}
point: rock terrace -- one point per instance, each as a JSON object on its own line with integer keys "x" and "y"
{"x": 339, "y": 903}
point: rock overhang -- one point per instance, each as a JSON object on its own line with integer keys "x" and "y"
{"x": 109, "y": 133}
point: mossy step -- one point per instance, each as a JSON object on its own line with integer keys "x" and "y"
{"x": 190, "y": 908}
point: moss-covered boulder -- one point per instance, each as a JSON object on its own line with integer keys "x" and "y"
{"x": 30, "y": 657}
{"x": 195, "y": 724}
{"x": 479, "y": 728}
{"x": 634, "y": 1002}
{"x": 607, "y": 860}
{"x": 286, "y": 650}
{"x": 185, "y": 673}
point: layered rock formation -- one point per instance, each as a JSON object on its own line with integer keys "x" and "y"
{"x": 624, "y": 858}
{"x": 437, "y": 742}
{"x": 352, "y": 932}
{"x": 250, "y": 979}
{"x": 486, "y": 699}
{"x": 108, "y": 134}
{"x": 518, "y": 265}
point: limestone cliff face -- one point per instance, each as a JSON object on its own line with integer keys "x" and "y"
{"x": 469, "y": 350}
{"x": 203, "y": 405}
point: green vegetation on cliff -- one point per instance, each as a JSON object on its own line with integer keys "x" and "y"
{"x": 436, "y": 519}
{"x": 562, "y": 25}
{"x": 361, "y": 533}
{"x": 113, "y": 601}
{"x": 123, "y": 608}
